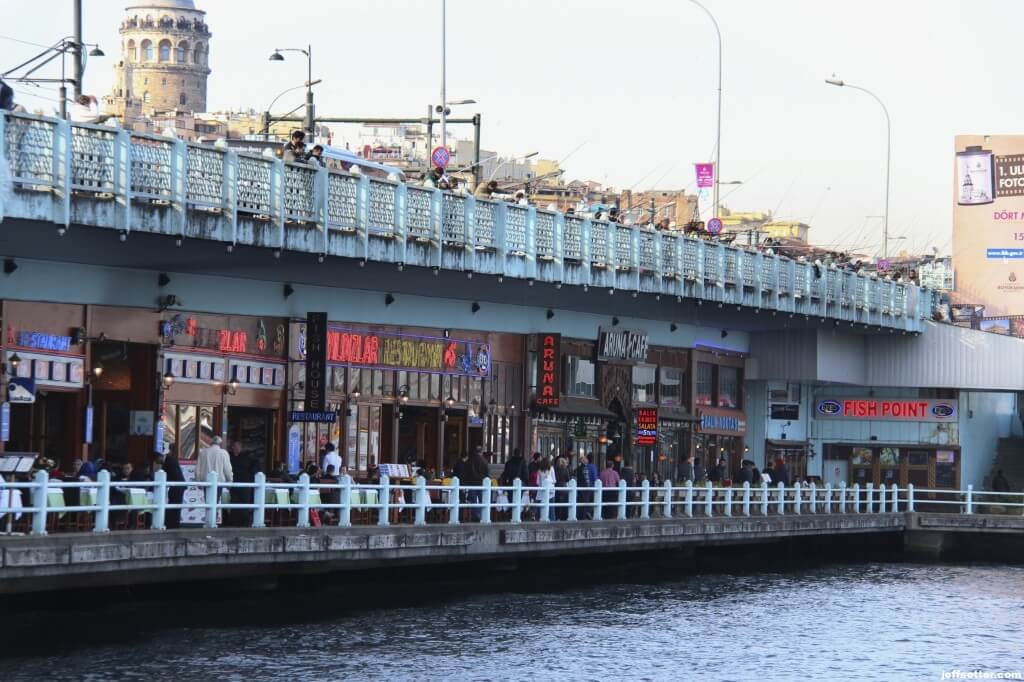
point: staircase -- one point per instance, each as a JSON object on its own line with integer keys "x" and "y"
{"x": 1010, "y": 458}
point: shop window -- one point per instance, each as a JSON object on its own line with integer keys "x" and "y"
{"x": 861, "y": 465}
{"x": 945, "y": 469}
{"x": 889, "y": 463}
{"x": 671, "y": 389}
{"x": 643, "y": 383}
{"x": 705, "y": 384}
{"x": 579, "y": 376}
{"x": 728, "y": 387}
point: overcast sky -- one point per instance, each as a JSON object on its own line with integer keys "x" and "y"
{"x": 625, "y": 91}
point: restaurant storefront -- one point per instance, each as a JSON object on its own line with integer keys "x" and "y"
{"x": 890, "y": 440}
{"x": 43, "y": 356}
{"x": 717, "y": 380}
{"x": 405, "y": 395}
{"x": 221, "y": 375}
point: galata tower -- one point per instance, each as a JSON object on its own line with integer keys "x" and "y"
{"x": 165, "y": 45}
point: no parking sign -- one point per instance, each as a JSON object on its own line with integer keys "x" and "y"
{"x": 440, "y": 157}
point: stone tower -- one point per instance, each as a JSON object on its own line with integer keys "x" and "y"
{"x": 164, "y": 60}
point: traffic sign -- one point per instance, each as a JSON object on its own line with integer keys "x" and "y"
{"x": 440, "y": 157}
{"x": 714, "y": 226}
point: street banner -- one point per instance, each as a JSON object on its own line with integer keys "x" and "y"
{"x": 705, "y": 175}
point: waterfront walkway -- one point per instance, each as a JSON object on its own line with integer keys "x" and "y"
{"x": 64, "y": 546}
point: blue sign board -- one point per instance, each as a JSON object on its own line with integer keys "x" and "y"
{"x": 44, "y": 341}
{"x": 88, "y": 424}
{"x": 721, "y": 422}
{"x": 440, "y": 157}
{"x": 21, "y": 390}
{"x": 311, "y": 416}
{"x": 5, "y": 422}
{"x": 293, "y": 450}
{"x": 1000, "y": 254}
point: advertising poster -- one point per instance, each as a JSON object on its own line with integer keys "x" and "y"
{"x": 988, "y": 222}
{"x": 193, "y": 511}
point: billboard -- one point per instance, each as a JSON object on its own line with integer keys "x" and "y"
{"x": 988, "y": 222}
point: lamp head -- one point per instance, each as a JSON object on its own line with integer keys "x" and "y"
{"x": 97, "y": 52}
{"x": 835, "y": 81}
{"x": 277, "y": 57}
{"x": 168, "y": 379}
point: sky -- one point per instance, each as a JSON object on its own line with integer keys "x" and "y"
{"x": 624, "y": 93}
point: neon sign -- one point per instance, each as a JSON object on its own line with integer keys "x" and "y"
{"x": 44, "y": 341}
{"x": 547, "y": 370}
{"x": 377, "y": 350}
{"x": 921, "y": 410}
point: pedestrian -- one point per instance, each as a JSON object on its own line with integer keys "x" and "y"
{"x": 756, "y": 474}
{"x": 330, "y": 457}
{"x": 214, "y": 459}
{"x": 295, "y": 148}
{"x": 485, "y": 189}
{"x": 459, "y": 470}
{"x": 585, "y": 498}
{"x": 699, "y": 473}
{"x": 515, "y": 468}
{"x": 768, "y": 475}
{"x": 474, "y": 472}
{"x": 1000, "y": 484}
{"x": 87, "y": 470}
{"x": 562, "y": 477}
{"x": 86, "y": 109}
{"x": 780, "y": 473}
{"x": 609, "y": 483}
{"x": 175, "y": 493}
{"x": 316, "y": 156}
{"x": 546, "y": 484}
{"x": 746, "y": 473}
{"x": 722, "y": 471}
{"x": 244, "y": 467}
{"x": 686, "y": 470}
{"x": 534, "y": 465}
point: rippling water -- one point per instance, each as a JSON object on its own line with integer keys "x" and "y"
{"x": 868, "y": 621}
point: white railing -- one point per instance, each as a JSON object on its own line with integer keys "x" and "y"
{"x": 156, "y": 183}
{"x": 43, "y": 505}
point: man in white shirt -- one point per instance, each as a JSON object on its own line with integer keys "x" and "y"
{"x": 331, "y": 456}
{"x": 86, "y": 109}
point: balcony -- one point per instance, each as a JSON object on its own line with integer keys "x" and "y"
{"x": 112, "y": 179}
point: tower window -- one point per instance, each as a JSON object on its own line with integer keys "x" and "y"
{"x": 182, "y": 99}
{"x": 145, "y": 81}
{"x": 165, "y": 50}
{"x": 145, "y": 96}
{"x": 182, "y": 52}
{"x": 147, "y": 50}
{"x": 163, "y": 81}
{"x": 130, "y": 50}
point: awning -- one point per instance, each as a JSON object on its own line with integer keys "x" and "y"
{"x": 582, "y": 407}
{"x": 787, "y": 444}
{"x": 676, "y": 414}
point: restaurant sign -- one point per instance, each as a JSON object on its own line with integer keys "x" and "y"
{"x": 239, "y": 335}
{"x": 621, "y": 345}
{"x": 548, "y": 394}
{"x": 722, "y": 422}
{"x": 882, "y": 409}
{"x": 384, "y": 350}
{"x": 646, "y": 425}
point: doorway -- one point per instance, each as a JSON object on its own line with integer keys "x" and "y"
{"x": 46, "y": 427}
{"x": 254, "y": 428}
{"x": 417, "y": 435}
{"x": 455, "y": 444}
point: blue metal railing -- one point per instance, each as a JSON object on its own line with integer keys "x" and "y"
{"x": 152, "y": 183}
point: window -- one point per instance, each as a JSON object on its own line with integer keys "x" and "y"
{"x": 147, "y": 51}
{"x": 199, "y": 56}
{"x": 182, "y": 99}
{"x": 705, "y": 372}
{"x": 165, "y": 50}
{"x": 182, "y": 52}
{"x": 728, "y": 387}
{"x": 145, "y": 96}
{"x": 163, "y": 81}
{"x": 643, "y": 383}
{"x": 130, "y": 50}
{"x": 579, "y": 376}
{"x": 671, "y": 389}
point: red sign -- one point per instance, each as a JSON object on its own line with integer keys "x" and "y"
{"x": 547, "y": 370}
{"x": 646, "y": 425}
{"x": 440, "y": 157}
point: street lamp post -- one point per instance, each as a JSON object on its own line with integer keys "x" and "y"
{"x": 59, "y": 49}
{"x": 444, "y": 74}
{"x": 310, "y": 111}
{"x": 888, "y": 153}
{"x": 718, "y": 131}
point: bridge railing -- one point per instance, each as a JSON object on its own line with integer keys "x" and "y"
{"x": 43, "y": 505}
{"x": 152, "y": 183}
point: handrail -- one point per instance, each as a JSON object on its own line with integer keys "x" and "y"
{"x": 27, "y": 505}
{"x": 374, "y": 218}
